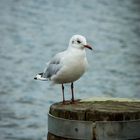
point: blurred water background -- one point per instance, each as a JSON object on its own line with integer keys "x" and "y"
{"x": 32, "y": 31}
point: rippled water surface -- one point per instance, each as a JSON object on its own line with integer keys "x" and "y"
{"x": 31, "y": 32}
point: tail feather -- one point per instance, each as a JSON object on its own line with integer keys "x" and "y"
{"x": 39, "y": 76}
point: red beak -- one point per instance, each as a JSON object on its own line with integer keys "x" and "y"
{"x": 89, "y": 47}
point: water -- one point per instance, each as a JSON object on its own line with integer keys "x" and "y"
{"x": 31, "y": 32}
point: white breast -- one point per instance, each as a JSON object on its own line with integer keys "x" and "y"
{"x": 74, "y": 65}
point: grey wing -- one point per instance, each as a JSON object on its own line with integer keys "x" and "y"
{"x": 53, "y": 67}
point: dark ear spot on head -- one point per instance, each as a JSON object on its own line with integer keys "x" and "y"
{"x": 72, "y": 41}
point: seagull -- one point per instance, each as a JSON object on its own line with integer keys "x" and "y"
{"x": 67, "y": 66}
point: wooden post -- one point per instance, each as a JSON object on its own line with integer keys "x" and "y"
{"x": 96, "y": 110}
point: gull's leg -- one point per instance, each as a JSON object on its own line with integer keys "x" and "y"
{"x": 72, "y": 99}
{"x": 63, "y": 93}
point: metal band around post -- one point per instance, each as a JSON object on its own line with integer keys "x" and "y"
{"x": 74, "y": 129}
{"x": 118, "y": 130}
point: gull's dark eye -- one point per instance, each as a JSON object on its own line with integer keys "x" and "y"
{"x": 78, "y": 41}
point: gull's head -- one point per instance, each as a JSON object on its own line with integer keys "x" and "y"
{"x": 79, "y": 42}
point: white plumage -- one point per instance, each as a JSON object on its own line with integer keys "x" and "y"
{"x": 67, "y": 66}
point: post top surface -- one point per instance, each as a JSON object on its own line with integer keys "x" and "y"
{"x": 98, "y": 110}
